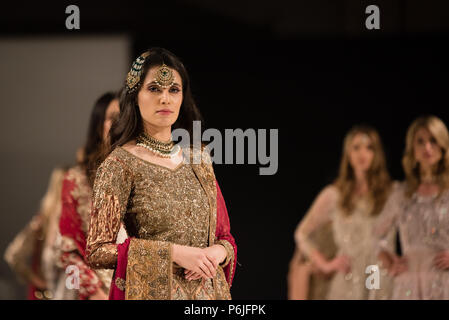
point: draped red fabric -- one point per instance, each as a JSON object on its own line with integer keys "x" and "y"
{"x": 70, "y": 226}
{"x": 30, "y": 292}
{"x": 223, "y": 232}
{"x": 70, "y": 221}
{"x": 120, "y": 271}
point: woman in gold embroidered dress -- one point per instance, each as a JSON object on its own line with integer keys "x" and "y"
{"x": 180, "y": 244}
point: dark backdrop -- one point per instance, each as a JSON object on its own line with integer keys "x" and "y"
{"x": 307, "y": 68}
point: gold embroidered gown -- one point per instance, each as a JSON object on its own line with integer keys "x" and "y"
{"x": 159, "y": 207}
{"x": 354, "y": 238}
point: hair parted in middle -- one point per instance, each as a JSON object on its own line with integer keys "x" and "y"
{"x": 130, "y": 123}
{"x": 379, "y": 181}
{"x": 439, "y": 131}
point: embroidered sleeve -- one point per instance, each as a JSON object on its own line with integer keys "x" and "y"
{"x": 111, "y": 192}
{"x": 229, "y": 251}
{"x": 318, "y": 215}
{"x": 225, "y": 238}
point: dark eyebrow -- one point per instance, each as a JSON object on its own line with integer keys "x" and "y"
{"x": 154, "y": 82}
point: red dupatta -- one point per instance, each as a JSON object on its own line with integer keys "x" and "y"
{"x": 70, "y": 221}
{"x": 223, "y": 232}
{"x": 75, "y": 212}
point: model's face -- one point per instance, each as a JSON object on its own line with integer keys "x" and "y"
{"x": 361, "y": 152}
{"x": 426, "y": 149}
{"x": 159, "y": 106}
{"x": 112, "y": 112}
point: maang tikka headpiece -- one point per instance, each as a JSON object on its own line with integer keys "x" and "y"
{"x": 134, "y": 74}
{"x": 164, "y": 75}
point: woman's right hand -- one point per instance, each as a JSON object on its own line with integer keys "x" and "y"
{"x": 194, "y": 259}
{"x": 338, "y": 264}
{"x": 341, "y": 264}
{"x": 398, "y": 266}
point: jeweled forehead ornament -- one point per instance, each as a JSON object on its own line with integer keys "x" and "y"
{"x": 164, "y": 76}
{"x": 133, "y": 78}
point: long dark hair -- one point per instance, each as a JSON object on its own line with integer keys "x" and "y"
{"x": 130, "y": 124}
{"x": 94, "y": 146}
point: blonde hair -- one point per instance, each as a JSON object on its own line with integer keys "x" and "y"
{"x": 378, "y": 179}
{"x": 439, "y": 131}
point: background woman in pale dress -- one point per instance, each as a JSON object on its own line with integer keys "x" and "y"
{"x": 419, "y": 208}
{"x": 351, "y": 204}
{"x": 34, "y": 252}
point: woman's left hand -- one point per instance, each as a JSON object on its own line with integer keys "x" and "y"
{"x": 216, "y": 254}
{"x": 441, "y": 260}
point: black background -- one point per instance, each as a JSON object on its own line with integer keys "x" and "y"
{"x": 307, "y": 68}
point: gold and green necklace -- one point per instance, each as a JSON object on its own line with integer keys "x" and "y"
{"x": 162, "y": 149}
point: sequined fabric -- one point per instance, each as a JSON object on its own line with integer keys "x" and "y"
{"x": 353, "y": 237}
{"x": 161, "y": 206}
{"x": 149, "y": 270}
{"x": 305, "y": 280}
{"x": 423, "y": 224}
{"x": 230, "y": 252}
{"x": 81, "y": 193}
